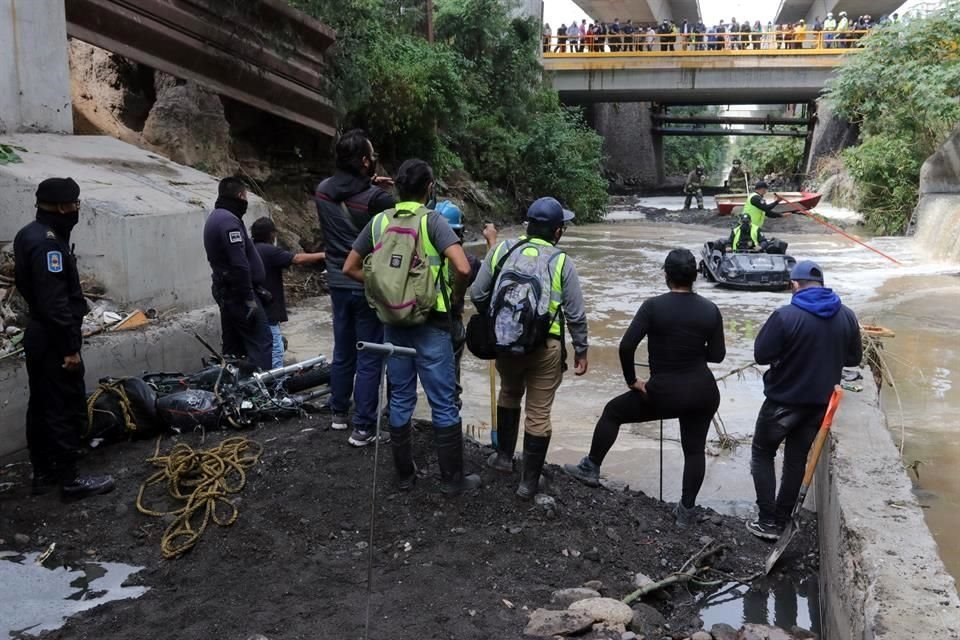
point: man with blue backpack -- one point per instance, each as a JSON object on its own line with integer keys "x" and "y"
{"x": 529, "y": 291}
{"x": 400, "y": 257}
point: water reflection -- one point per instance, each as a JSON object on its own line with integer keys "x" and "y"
{"x": 779, "y": 603}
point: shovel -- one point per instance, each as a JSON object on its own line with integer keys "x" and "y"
{"x": 794, "y": 525}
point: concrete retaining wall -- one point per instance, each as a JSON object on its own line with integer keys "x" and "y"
{"x": 936, "y": 220}
{"x": 167, "y": 346}
{"x": 880, "y": 573}
{"x": 141, "y": 221}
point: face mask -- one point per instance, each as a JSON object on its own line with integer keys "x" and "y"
{"x": 70, "y": 220}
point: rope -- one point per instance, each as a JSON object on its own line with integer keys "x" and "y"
{"x": 112, "y": 387}
{"x": 200, "y": 481}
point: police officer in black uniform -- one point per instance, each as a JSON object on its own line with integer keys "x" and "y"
{"x": 237, "y": 276}
{"x": 47, "y": 277}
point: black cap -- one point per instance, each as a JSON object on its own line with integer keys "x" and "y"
{"x": 761, "y": 185}
{"x": 58, "y": 191}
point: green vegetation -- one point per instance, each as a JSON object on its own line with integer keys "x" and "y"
{"x": 681, "y": 153}
{"x": 903, "y": 91}
{"x": 764, "y": 156}
{"x": 475, "y": 100}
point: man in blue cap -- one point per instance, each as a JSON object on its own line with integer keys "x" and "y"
{"x": 531, "y": 269}
{"x": 454, "y": 217}
{"x": 807, "y": 343}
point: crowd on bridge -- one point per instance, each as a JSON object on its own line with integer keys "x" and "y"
{"x": 832, "y": 32}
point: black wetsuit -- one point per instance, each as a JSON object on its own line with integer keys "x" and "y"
{"x": 686, "y": 332}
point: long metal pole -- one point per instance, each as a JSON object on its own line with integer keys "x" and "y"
{"x": 661, "y": 460}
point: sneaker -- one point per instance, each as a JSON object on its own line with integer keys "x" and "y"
{"x": 764, "y": 530}
{"x": 585, "y": 471}
{"x": 361, "y": 437}
{"x": 339, "y": 422}
{"x": 84, "y": 486}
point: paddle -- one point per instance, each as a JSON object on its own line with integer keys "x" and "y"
{"x": 793, "y": 526}
{"x": 806, "y": 212}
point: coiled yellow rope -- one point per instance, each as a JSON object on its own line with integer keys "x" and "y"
{"x": 200, "y": 481}
{"x": 112, "y": 387}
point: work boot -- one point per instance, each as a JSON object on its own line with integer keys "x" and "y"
{"x": 508, "y": 425}
{"x": 684, "y": 516}
{"x": 84, "y": 486}
{"x": 534, "y": 455}
{"x": 586, "y": 472}
{"x": 401, "y": 439}
{"x": 449, "y": 443}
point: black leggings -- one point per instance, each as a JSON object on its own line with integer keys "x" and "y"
{"x": 701, "y": 402}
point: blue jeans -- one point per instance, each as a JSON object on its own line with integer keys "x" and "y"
{"x": 433, "y": 365}
{"x": 354, "y": 321}
{"x": 276, "y": 354}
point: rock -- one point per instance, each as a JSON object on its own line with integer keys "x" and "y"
{"x": 721, "y": 631}
{"x": 802, "y": 634}
{"x": 705, "y": 540}
{"x": 546, "y": 623}
{"x": 701, "y": 635}
{"x": 717, "y": 521}
{"x": 762, "y": 632}
{"x": 593, "y": 554}
{"x": 515, "y": 529}
{"x": 646, "y": 620}
{"x": 605, "y": 610}
{"x": 458, "y": 531}
{"x": 596, "y": 585}
{"x": 257, "y": 636}
{"x": 566, "y": 597}
{"x": 21, "y": 539}
{"x": 545, "y": 501}
{"x": 641, "y": 580}
{"x": 612, "y": 534}
{"x": 605, "y": 628}
{"x": 362, "y": 545}
{"x": 628, "y": 635}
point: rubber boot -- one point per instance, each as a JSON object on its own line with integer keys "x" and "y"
{"x": 449, "y": 442}
{"x": 401, "y": 441}
{"x": 508, "y": 425}
{"x": 534, "y": 455}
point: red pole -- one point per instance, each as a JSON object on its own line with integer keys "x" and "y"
{"x": 806, "y": 212}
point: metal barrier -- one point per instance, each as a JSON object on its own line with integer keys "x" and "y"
{"x": 705, "y": 44}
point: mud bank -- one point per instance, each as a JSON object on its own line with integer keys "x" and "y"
{"x": 295, "y": 563}
{"x": 168, "y": 345}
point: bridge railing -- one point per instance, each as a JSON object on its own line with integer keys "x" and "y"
{"x": 739, "y": 43}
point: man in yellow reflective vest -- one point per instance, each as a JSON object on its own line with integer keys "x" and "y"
{"x": 746, "y": 236}
{"x": 434, "y": 362}
{"x": 757, "y": 208}
{"x": 536, "y": 373}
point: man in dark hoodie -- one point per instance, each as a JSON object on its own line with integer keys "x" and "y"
{"x": 806, "y": 343}
{"x": 346, "y": 202}
{"x": 237, "y": 273}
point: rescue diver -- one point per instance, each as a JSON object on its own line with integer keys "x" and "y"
{"x": 757, "y": 208}
{"x": 694, "y": 188}
{"x": 47, "y": 278}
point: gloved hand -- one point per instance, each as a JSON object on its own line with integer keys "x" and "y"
{"x": 265, "y": 296}
{"x": 251, "y": 306}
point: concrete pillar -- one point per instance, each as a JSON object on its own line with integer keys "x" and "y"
{"x": 34, "y": 67}
{"x": 658, "y": 159}
{"x": 627, "y": 145}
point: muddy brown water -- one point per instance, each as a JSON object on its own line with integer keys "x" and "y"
{"x": 619, "y": 265}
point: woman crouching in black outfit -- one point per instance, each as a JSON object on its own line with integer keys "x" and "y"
{"x": 686, "y": 332}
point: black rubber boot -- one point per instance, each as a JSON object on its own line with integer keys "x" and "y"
{"x": 449, "y": 442}
{"x": 401, "y": 440}
{"x": 508, "y": 426}
{"x": 534, "y": 455}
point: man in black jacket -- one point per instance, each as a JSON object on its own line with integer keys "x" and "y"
{"x": 346, "y": 202}
{"x": 47, "y": 277}
{"x": 237, "y": 274}
{"x": 806, "y": 343}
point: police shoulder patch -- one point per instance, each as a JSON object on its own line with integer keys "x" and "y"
{"x": 235, "y": 237}
{"x": 51, "y": 235}
{"x": 54, "y": 261}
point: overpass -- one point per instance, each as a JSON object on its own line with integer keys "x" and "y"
{"x": 791, "y": 11}
{"x": 641, "y": 11}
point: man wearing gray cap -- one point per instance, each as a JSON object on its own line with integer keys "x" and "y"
{"x": 530, "y": 291}
{"x": 47, "y": 277}
{"x": 807, "y": 343}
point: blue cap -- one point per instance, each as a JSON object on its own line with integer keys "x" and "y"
{"x": 807, "y": 270}
{"x": 549, "y": 210}
{"x": 451, "y": 213}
